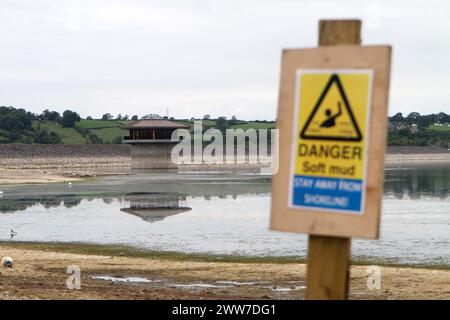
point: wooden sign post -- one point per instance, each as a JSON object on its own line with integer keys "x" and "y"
{"x": 332, "y": 118}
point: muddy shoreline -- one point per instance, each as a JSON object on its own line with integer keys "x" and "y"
{"x": 64, "y": 163}
{"x": 15, "y": 151}
{"x": 39, "y": 272}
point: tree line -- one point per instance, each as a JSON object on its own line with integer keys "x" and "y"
{"x": 419, "y": 130}
{"x": 422, "y": 121}
{"x": 16, "y": 125}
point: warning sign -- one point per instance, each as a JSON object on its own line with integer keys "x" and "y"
{"x": 329, "y": 151}
{"x": 332, "y": 117}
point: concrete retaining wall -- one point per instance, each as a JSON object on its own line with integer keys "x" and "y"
{"x": 152, "y": 156}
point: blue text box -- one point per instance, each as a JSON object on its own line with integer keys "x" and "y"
{"x": 327, "y": 193}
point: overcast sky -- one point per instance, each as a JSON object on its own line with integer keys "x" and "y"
{"x": 202, "y": 56}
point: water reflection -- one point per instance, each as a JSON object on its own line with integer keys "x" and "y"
{"x": 155, "y": 207}
{"x": 417, "y": 182}
{"x": 163, "y": 196}
{"x": 150, "y": 207}
{"x": 13, "y": 205}
{"x": 168, "y": 195}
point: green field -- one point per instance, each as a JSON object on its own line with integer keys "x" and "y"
{"x": 105, "y": 130}
{"x": 244, "y": 125}
{"x": 209, "y": 123}
{"x": 439, "y": 128}
{"x": 123, "y": 123}
{"x": 68, "y": 135}
{"x": 98, "y": 124}
{"x": 109, "y": 130}
{"x": 254, "y": 125}
{"x": 109, "y": 134}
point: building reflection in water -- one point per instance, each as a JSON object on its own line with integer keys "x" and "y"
{"x": 156, "y": 207}
{"x": 169, "y": 198}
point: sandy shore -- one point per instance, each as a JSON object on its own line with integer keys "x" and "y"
{"x": 33, "y": 177}
{"x": 60, "y": 169}
{"x": 55, "y": 163}
{"x": 39, "y": 272}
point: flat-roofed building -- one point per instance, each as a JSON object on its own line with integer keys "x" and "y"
{"x": 151, "y": 143}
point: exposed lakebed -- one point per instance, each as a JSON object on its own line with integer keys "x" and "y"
{"x": 221, "y": 213}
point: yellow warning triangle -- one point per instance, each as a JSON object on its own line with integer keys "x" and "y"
{"x": 332, "y": 117}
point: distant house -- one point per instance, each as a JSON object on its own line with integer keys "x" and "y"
{"x": 394, "y": 126}
{"x": 152, "y": 116}
{"x": 397, "y": 126}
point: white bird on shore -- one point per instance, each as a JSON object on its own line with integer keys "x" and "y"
{"x": 7, "y": 262}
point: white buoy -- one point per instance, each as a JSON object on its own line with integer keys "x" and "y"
{"x": 1, "y": 192}
{"x": 7, "y": 262}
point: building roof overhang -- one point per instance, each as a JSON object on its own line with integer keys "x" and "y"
{"x": 156, "y": 124}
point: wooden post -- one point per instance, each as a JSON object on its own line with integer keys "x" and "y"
{"x": 329, "y": 257}
{"x": 328, "y": 268}
{"x": 338, "y": 32}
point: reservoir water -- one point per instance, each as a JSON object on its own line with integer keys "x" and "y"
{"x": 221, "y": 213}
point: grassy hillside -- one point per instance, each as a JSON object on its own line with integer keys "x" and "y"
{"x": 241, "y": 125}
{"x": 97, "y": 124}
{"x": 439, "y": 128}
{"x": 106, "y": 130}
{"x": 68, "y": 135}
{"x": 111, "y": 130}
{"x": 254, "y": 125}
{"x": 109, "y": 134}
